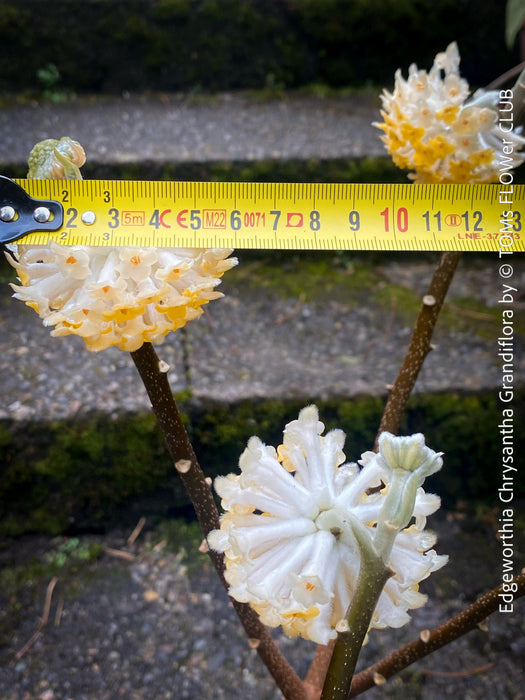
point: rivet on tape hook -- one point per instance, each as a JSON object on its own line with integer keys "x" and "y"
{"x": 20, "y": 214}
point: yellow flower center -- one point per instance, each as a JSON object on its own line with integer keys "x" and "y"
{"x": 308, "y": 614}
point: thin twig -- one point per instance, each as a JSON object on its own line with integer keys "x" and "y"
{"x": 43, "y": 620}
{"x": 469, "y": 313}
{"x": 293, "y": 312}
{"x": 454, "y": 628}
{"x": 119, "y": 553}
{"x": 199, "y": 492}
{"x": 466, "y": 673}
{"x": 505, "y": 77}
{"x": 19, "y": 654}
{"x": 59, "y": 611}
{"x": 419, "y": 344}
{"x": 136, "y": 531}
{"x": 47, "y": 604}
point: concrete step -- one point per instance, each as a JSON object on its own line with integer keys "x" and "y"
{"x": 177, "y": 130}
{"x": 264, "y": 342}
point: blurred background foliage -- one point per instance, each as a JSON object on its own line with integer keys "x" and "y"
{"x": 112, "y": 46}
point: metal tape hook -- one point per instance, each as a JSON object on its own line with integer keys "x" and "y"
{"x": 20, "y": 214}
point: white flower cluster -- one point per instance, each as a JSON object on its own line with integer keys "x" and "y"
{"x": 117, "y": 296}
{"x": 111, "y": 295}
{"x": 287, "y": 531}
{"x": 432, "y": 129}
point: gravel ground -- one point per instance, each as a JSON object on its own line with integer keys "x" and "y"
{"x": 158, "y": 625}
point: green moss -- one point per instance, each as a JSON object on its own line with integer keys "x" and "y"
{"x": 315, "y": 277}
{"x": 65, "y": 556}
{"x": 72, "y": 475}
{"x": 182, "y": 537}
{"x": 177, "y": 10}
{"x": 369, "y": 170}
{"x": 69, "y": 559}
{"x": 52, "y": 477}
{"x": 465, "y": 428}
{"x": 472, "y": 315}
{"x": 354, "y": 278}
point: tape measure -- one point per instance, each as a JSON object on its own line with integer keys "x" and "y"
{"x": 379, "y": 217}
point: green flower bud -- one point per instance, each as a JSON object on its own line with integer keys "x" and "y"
{"x": 56, "y": 160}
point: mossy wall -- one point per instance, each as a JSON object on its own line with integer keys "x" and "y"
{"x": 136, "y": 45}
{"x": 366, "y": 170}
{"x": 83, "y": 474}
{"x": 463, "y": 426}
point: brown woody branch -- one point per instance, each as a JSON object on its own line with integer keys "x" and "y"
{"x": 199, "y": 492}
{"x": 454, "y": 628}
{"x": 419, "y": 344}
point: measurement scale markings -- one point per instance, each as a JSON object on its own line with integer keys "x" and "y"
{"x": 312, "y": 209}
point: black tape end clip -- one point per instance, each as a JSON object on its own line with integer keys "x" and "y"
{"x": 20, "y": 214}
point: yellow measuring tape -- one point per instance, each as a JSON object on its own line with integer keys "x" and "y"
{"x": 285, "y": 216}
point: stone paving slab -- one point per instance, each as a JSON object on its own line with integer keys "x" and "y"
{"x": 255, "y": 344}
{"x": 258, "y": 345}
{"x": 178, "y": 129}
